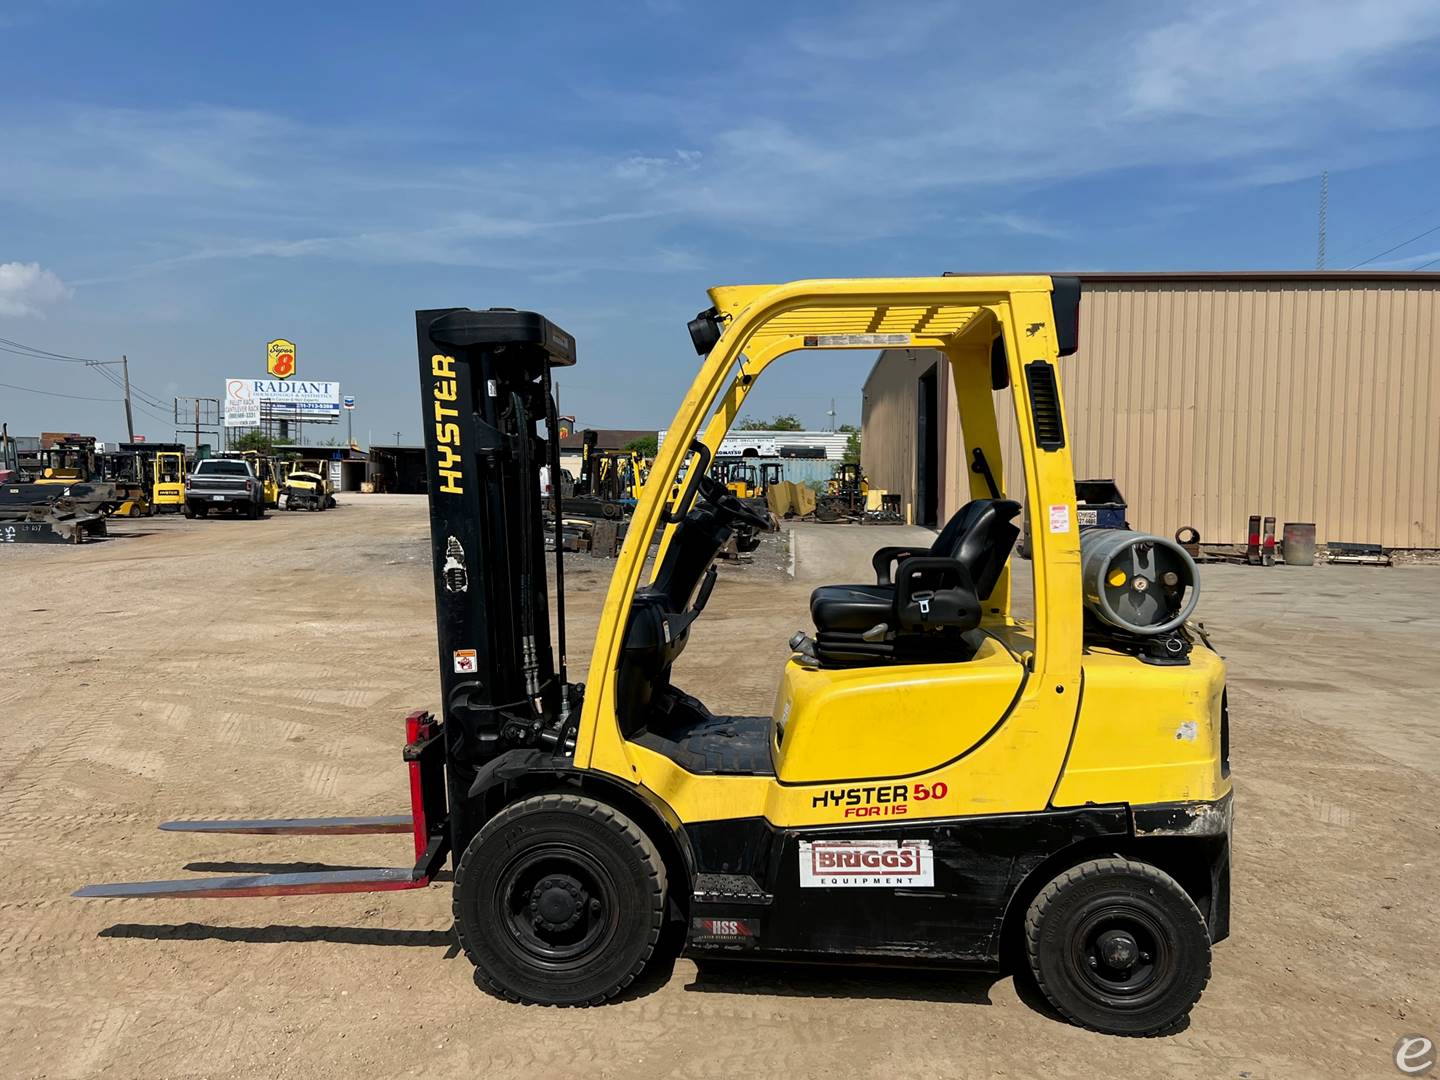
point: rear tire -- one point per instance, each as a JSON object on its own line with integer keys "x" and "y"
{"x": 1118, "y": 946}
{"x": 559, "y": 900}
{"x": 188, "y": 510}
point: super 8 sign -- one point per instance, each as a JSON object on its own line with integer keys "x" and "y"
{"x": 280, "y": 358}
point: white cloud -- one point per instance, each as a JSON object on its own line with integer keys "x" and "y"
{"x": 27, "y": 289}
{"x": 878, "y": 124}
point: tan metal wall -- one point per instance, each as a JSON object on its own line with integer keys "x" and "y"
{"x": 1207, "y": 401}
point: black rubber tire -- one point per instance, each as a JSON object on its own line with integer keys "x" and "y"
{"x": 631, "y": 913}
{"x": 1118, "y": 893}
{"x": 202, "y": 511}
{"x": 187, "y": 510}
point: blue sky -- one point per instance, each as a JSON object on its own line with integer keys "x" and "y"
{"x": 181, "y": 182}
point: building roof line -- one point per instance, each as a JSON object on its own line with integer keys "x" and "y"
{"x": 1419, "y": 277}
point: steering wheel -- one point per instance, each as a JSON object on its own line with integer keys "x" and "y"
{"x": 723, "y": 499}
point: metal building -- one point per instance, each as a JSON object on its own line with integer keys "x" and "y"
{"x": 1208, "y": 397}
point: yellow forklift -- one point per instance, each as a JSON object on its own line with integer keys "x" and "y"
{"x": 67, "y": 459}
{"x": 305, "y": 483}
{"x": 167, "y": 472}
{"x": 941, "y": 781}
{"x": 128, "y": 468}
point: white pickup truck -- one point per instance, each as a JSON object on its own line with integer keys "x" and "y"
{"x": 224, "y": 484}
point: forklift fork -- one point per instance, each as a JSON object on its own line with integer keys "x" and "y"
{"x": 428, "y": 823}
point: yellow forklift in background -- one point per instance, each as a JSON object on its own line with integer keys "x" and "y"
{"x": 942, "y": 779}
{"x": 128, "y": 468}
{"x": 67, "y": 459}
{"x": 305, "y": 483}
{"x": 167, "y": 473}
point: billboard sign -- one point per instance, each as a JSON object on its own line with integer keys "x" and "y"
{"x": 242, "y": 412}
{"x": 280, "y": 358}
{"x": 286, "y": 399}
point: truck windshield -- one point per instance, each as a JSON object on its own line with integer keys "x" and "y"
{"x": 223, "y": 468}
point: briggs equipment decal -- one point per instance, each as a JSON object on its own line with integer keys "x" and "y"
{"x": 866, "y": 864}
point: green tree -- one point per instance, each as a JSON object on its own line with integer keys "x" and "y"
{"x": 783, "y": 422}
{"x": 254, "y": 439}
{"x": 645, "y": 446}
{"x": 852, "y": 444}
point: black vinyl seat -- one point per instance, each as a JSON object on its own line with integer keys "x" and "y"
{"x": 933, "y": 599}
{"x": 851, "y": 607}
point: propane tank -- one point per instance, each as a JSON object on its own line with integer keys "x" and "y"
{"x": 1135, "y": 582}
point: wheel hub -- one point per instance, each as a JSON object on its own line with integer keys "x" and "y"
{"x": 1118, "y": 949}
{"x": 557, "y": 902}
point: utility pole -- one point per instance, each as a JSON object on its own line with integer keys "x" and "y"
{"x": 124, "y": 363}
{"x": 129, "y": 417}
{"x": 197, "y": 426}
{"x": 831, "y": 414}
{"x": 1324, "y": 211}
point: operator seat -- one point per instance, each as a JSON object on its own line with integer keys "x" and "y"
{"x": 933, "y": 600}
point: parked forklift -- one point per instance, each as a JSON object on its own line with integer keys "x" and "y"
{"x": 128, "y": 468}
{"x": 609, "y": 483}
{"x": 941, "y": 781}
{"x": 747, "y": 480}
{"x": 60, "y": 493}
{"x": 167, "y": 477}
{"x": 305, "y": 487}
{"x": 67, "y": 459}
{"x": 845, "y": 495}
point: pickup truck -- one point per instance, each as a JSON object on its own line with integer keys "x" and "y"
{"x": 224, "y": 484}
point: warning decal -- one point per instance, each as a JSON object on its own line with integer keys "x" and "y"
{"x": 465, "y": 661}
{"x": 1060, "y": 518}
{"x": 859, "y": 864}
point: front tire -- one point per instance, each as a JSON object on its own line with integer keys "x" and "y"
{"x": 559, "y": 900}
{"x": 1118, "y": 946}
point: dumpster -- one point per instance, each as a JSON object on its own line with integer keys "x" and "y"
{"x": 1099, "y": 505}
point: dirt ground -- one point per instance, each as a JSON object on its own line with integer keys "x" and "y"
{"x": 252, "y": 669}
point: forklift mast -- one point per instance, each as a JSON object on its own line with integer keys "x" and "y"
{"x": 485, "y": 391}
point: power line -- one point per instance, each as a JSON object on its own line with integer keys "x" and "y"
{"x": 51, "y": 393}
{"x": 1423, "y": 265}
{"x": 42, "y": 354}
{"x": 1397, "y": 247}
{"x": 34, "y": 352}
{"x": 135, "y": 389}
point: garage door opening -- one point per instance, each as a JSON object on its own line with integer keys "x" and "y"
{"x": 927, "y": 450}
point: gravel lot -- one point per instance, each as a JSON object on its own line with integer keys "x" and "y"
{"x": 250, "y": 669}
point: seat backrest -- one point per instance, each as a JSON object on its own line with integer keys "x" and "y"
{"x": 980, "y": 536}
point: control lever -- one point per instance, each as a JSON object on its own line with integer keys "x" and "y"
{"x": 804, "y": 648}
{"x": 875, "y": 633}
